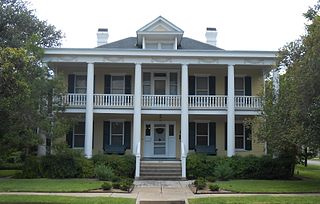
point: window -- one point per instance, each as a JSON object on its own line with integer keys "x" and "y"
{"x": 171, "y": 130}
{"x": 80, "y": 84}
{"x": 78, "y": 135}
{"x": 166, "y": 46}
{"x": 117, "y": 85}
{"x": 173, "y": 83}
{"x": 202, "y": 86}
{"x": 239, "y": 136}
{"x": 239, "y": 86}
{"x": 159, "y": 45}
{"x": 148, "y": 130}
{"x": 117, "y": 133}
{"x": 202, "y": 134}
{"x": 151, "y": 45}
{"x": 147, "y": 83}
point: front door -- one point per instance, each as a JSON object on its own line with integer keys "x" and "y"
{"x": 159, "y": 139}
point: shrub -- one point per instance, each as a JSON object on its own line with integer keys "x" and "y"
{"x": 103, "y": 173}
{"x": 106, "y": 185}
{"x": 86, "y": 169}
{"x": 116, "y": 185}
{"x": 59, "y": 166}
{"x": 122, "y": 165}
{"x": 223, "y": 171}
{"x": 126, "y": 184}
{"x": 197, "y": 166}
{"x": 200, "y": 183}
{"x": 214, "y": 187}
{"x": 211, "y": 179}
{"x": 31, "y": 168}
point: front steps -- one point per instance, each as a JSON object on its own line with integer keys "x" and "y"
{"x": 160, "y": 170}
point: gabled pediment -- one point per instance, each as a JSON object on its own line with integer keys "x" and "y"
{"x": 159, "y": 29}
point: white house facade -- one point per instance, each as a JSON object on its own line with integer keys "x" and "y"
{"x": 161, "y": 95}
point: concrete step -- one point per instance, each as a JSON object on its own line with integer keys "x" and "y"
{"x": 160, "y": 170}
{"x": 162, "y": 202}
{"x": 161, "y": 177}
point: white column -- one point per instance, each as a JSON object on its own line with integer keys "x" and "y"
{"x": 89, "y": 111}
{"x": 231, "y": 116}
{"x": 137, "y": 108}
{"x": 184, "y": 117}
{"x": 276, "y": 84}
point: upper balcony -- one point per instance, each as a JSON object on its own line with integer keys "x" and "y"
{"x": 158, "y": 102}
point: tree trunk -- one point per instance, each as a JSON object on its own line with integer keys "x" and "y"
{"x": 305, "y": 157}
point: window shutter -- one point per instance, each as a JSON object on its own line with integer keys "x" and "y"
{"x": 226, "y": 85}
{"x": 226, "y": 136}
{"x": 106, "y": 134}
{"x": 212, "y": 134}
{"x": 192, "y": 85}
{"x": 212, "y": 85}
{"x": 248, "y": 138}
{"x": 71, "y": 78}
{"x": 69, "y": 138}
{"x": 127, "y": 84}
{"x": 192, "y": 135}
{"x": 127, "y": 134}
{"x": 107, "y": 84}
{"x": 247, "y": 85}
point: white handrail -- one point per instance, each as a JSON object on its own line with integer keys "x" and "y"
{"x": 207, "y": 101}
{"x": 138, "y": 156}
{"x": 183, "y": 161}
{"x": 113, "y": 100}
{"x": 75, "y": 100}
{"x": 248, "y": 102}
{"x": 161, "y": 101}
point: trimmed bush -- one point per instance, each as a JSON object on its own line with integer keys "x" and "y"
{"x": 31, "y": 168}
{"x": 214, "y": 187}
{"x": 223, "y": 171}
{"x": 200, "y": 183}
{"x": 116, "y": 185}
{"x": 122, "y": 165}
{"x": 125, "y": 184}
{"x": 106, "y": 185}
{"x": 211, "y": 179}
{"x": 103, "y": 173}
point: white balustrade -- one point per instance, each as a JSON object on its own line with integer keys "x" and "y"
{"x": 75, "y": 100}
{"x": 206, "y": 101}
{"x": 248, "y": 102}
{"x": 113, "y": 100}
{"x": 161, "y": 101}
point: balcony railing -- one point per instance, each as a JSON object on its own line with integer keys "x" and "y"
{"x": 204, "y": 101}
{"x": 161, "y": 101}
{"x": 248, "y": 102}
{"x": 75, "y": 100}
{"x": 113, "y": 100}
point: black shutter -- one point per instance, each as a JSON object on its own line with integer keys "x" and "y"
{"x": 247, "y": 84}
{"x": 192, "y": 135}
{"x": 69, "y": 138}
{"x": 127, "y": 84}
{"x": 107, "y": 84}
{"x": 127, "y": 134}
{"x": 192, "y": 85}
{"x": 212, "y": 85}
{"x": 226, "y": 85}
{"x": 212, "y": 134}
{"x": 71, "y": 78}
{"x": 225, "y": 136}
{"x": 106, "y": 134}
{"x": 248, "y": 138}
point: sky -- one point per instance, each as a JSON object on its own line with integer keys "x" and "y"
{"x": 241, "y": 24}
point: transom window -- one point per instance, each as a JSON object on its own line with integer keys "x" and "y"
{"x": 239, "y": 136}
{"x": 202, "y": 85}
{"x": 117, "y": 133}
{"x": 239, "y": 86}
{"x": 80, "y": 84}
{"x": 78, "y": 135}
{"x": 202, "y": 133}
{"x": 117, "y": 85}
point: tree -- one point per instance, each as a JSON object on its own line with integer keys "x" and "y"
{"x": 291, "y": 124}
{"x": 26, "y": 84}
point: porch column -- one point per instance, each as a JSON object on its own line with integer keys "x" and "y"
{"x": 89, "y": 111}
{"x": 231, "y": 116}
{"x": 184, "y": 109}
{"x": 137, "y": 109}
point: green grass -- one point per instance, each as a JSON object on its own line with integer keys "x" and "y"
{"x": 257, "y": 200}
{"x": 310, "y": 182}
{"x": 34, "y": 199}
{"x": 6, "y": 173}
{"x": 48, "y": 185}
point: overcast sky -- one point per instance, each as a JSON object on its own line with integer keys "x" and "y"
{"x": 241, "y": 24}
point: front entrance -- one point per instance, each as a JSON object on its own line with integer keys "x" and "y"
{"x": 159, "y": 139}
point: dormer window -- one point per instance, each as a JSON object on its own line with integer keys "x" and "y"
{"x": 160, "y": 45}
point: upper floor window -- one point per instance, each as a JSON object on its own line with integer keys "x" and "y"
{"x": 117, "y": 85}
{"x": 202, "y": 86}
{"x": 239, "y": 87}
{"x": 80, "y": 84}
{"x": 160, "y": 45}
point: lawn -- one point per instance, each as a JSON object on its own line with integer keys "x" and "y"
{"x": 257, "y": 200}
{"x": 34, "y": 199}
{"x": 6, "y": 173}
{"x": 310, "y": 182}
{"x": 48, "y": 185}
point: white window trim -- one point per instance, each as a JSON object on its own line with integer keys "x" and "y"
{"x": 196, "y": 86}
{"x": 159, "y": 43}
{"x": 73, "y": 136}
{"x": 75, "y": 83}
{"x": 244, "y": 136}
{"x": 167, "y": 78}
{"x": 196, "y": 132}
{"x": 116, "y": 121}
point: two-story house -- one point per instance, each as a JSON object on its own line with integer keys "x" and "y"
{"x": 160, "y": 95}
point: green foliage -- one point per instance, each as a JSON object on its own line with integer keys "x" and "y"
{"x": 126, "y": 184}
{"x": 223, "y": 171}
{"x": 31, "y": 168}
{"x": 116, "y": 185}
{"x": 214, "y": 187}
{"x": 200, "y": 183}
{"x": 103, "y": 173}
{"x": 211, "y": 178}
{"x": 122, "y": 165}
{"x": 106, "y": 185}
